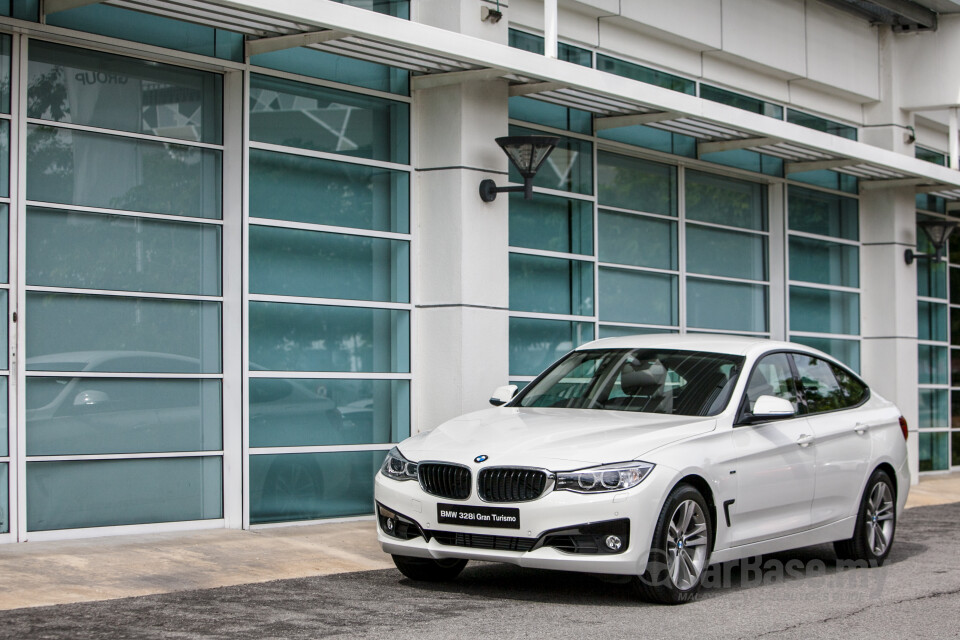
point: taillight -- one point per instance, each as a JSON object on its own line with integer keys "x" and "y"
{"x": 903, "y": 427}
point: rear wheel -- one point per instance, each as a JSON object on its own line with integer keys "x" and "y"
{"x": 428, "y": 569}
{"x": 876, "y": 523}
{"x": 680, "y": 551}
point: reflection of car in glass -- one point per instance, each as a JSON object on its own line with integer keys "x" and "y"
{"x": 91, "y": 414}
{"x": 653, "y": 457}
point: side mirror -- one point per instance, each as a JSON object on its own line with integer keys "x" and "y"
{"x": 772, "y": 408}
{"x": 503, "y": 395}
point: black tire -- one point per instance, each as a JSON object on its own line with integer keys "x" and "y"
{"x": 428, "y": 569}
{"x": 871, "y": 525}
{"x": 658, "y": 584}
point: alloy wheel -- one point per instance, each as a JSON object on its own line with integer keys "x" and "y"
{"x": 686, "y": 544}
{"x": 879, "y": 519}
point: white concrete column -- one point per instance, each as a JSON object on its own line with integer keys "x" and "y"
{"x": 461, "y": 258}
{"x": 888, "y": 303}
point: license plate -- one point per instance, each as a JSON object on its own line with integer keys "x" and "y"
{"x": 500, "y": 517}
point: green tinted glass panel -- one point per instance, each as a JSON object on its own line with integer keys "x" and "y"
{"x": 828, "y": 180}
{"x": 71, "y": 416}
{"x": 300, "y": 115}
{"x": 740, "y": 101}
{"x": 5, "y": 73}
{"x": 929, "y": 155}
{"x": 536, "y": 344}
{"x": 310, "y": 486}
{"x": 95, "y": 170}
{"x": 955, "y": 374}
{"x": 846, "y": 351}
{"x": 652, "y": 138}
{"x": 4, "y": 242}
{"x": 395, "y": 8}
{"x": 727, "y": 201}
{"x": 4, "y": 308}
{"x": 954, "y": 326}
{"x": 4, "y": 158}
{"x": 821, "y": 124}
{"x": 955, "y": 457}
{"x": 932, "y": 321}
{"x": 67, "y": 332}
{"x": 928, "y": 202}
{"x": 534, "y": 44}
{"x": 931, "y": 279}
{"x": 823, "y": 262}
{"x": 328, "y": 66}
{"x": 735, "y": 306}
{"x": 933, "y": 409}
{"x": 151, "y": 29}
{"x": 641, "y": 241}
{"x": 550, "y": 115}
{"x": 646, "y": 74}
{"x": 824, "y": 311}
{"x": 932, "y": 361}
{"x": 551, "y": 285}
{"x": 747, "y": 160}
{"x": 4, "y": 493}
{"x": 719, "y": 252}
{"x": 289, "y": 187}
{"x": 638, "y": 296}
{"x": 640, "y": 185}
{"x": 103, "y": 90}
{"x": 825, "y": 214}
{"x": 66, "y": 249}
{"x": 99, "y": 493}
{"x": 934, "y": 455}
{"x": 292, "y": 262}
{"x": 568, "y": 168}
{"x": 954, "y": 284}
{"x": 550, "y": 223}
{"x": 303, "y": 337}
{"x": 4, "y": 420}
{"x": 616, "y": 331}
{"x": 303, "y": 411}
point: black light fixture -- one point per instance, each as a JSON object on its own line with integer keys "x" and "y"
{"x": 937, "y": 231}
{"x": 527, "y": 153}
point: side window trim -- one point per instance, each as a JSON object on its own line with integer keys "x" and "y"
{"x": 742, "y": 410}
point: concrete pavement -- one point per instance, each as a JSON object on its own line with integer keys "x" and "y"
{"x": 47, "y": 573}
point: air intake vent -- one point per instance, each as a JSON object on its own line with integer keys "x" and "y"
{"x": 511, "y": 484}
{"x": 445, "y": 480}
{"x": 479, "y": 541}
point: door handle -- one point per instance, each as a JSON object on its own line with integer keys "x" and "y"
{"x": 861, "y": 428}
{"x": 805, "y": 441}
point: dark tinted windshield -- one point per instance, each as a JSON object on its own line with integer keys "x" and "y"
{"x": 689, "y": 383}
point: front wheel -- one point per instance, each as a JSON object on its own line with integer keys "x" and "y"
{"x": 876, "y": 524}
{"x": 428, "y": 569}
{"x": 680, "y": 550}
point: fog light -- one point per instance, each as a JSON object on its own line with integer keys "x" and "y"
{"x": 613, "y": 543}
{"x": 389, "y": 525}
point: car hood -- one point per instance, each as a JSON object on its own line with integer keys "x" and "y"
{"x": 557, "y": 439}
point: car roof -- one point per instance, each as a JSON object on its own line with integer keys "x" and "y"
{"x": 713, "y": 343}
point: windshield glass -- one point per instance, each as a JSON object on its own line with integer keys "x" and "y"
{"x": 688, "y": 383}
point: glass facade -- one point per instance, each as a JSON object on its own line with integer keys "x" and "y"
{"x": 329, "y": 367}
{"x": 938, "y": 329}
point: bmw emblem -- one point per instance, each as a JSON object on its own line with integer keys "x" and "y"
{"x": 480, "y": 459}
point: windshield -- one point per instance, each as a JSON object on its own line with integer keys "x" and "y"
{"x": 687, "y": 383}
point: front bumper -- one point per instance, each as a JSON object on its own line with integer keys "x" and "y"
{"x": 537, "y": 543}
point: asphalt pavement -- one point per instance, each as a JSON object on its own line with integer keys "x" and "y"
{"x": 800, "y": 594}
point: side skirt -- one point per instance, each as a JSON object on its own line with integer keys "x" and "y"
{"x": 840, "y": 530}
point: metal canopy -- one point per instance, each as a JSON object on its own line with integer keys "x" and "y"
{"x": 436, "y": 57}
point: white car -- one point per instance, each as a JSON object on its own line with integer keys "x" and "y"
{"x": 653, "y": 457}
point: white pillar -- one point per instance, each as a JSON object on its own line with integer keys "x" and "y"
{"x": 461, "y": 259}
{"x": 954, "y": 141}
{"x": 550, "y": 28}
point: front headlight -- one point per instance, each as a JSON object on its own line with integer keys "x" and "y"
{"x": 396, "y": 467}
{"x": 609, "y": 477}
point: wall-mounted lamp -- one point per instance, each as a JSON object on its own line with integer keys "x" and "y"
{"x": 937, "y": 231}
{"x": 527, "y": 153}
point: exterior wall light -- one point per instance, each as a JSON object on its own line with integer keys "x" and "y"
{"x": 527, "y": 153}
{"x": 937, "y": 231}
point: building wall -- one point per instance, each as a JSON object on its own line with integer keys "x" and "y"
{"x": 237, "y": 282}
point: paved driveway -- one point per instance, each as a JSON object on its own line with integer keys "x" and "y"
{"x": 802, "y": 594}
